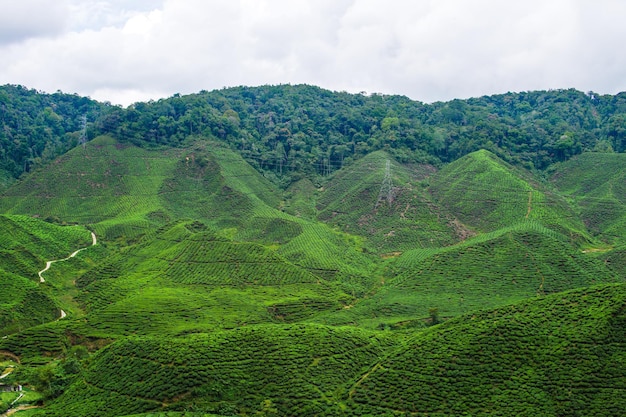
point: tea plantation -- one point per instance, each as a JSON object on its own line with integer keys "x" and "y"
{"x": 382, "y": 288}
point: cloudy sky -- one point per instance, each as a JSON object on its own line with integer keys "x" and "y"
{"x": 429, "y": 50}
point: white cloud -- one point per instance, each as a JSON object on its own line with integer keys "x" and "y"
{"x": 127, "y": 51}
{"x": 24, "y": 19}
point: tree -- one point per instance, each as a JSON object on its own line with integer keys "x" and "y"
{"x": 433, "y": 314}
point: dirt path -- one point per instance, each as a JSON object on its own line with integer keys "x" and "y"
{"x": 18, "y": 408}
{"x": 94, "y": 241}
{"x": 530, "y": 203}
{"x": 9, "y": 355}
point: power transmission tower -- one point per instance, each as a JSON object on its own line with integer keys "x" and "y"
{"x": 386, "y": 188}
{"x": 83, "y": 131}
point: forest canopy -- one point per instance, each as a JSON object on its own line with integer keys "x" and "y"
{"x": 291, "y": 131}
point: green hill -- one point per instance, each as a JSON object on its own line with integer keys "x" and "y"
{"x": 106, "y": 184}
{"x": 26, "y": 244}
{"x": 188, "y": 279}
{"x": 286, "y": 250}
{"x": 488, "y": 271}
{"x": 485, "y": 193}
{"x": 382, "y": 200}
{"x": 554, "y": 356}
{"x": 285, "y": 370}
{"x": 217, "y": 186}
{"x": 597, "y": 183}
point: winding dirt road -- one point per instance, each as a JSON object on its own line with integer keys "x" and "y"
{"x": 94, "y": 241}
{"x": 49, "y": 263}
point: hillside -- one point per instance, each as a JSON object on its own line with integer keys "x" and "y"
{"x": 556, "y": 355}
{"x": 290, "y": 132}
{"x": 287, "y": 250}
{"x": 26, "y": 244}
{"x": 487, "y": 271}
{"x": 597, "y": 183}
{"x": 559, "y": 355}
{"x": 383, "y": 200}
{"x": 486, "y": 194}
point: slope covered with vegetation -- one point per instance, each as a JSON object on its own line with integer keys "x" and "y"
{"x": 597, "y": 184}
{"x": 26, "y": 244}
{"x": 290, "y": 132}
{"x": 558, "y": 355}
{"x": 286, "y": 250}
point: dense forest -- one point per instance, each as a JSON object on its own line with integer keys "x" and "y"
{"x": 288, "y": 131}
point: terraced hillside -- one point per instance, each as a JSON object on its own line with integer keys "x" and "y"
{"x": 188, "y": 279}
{"x": 382, "y": 200}
{"x": 597, "y": 184}
{"x": 220, "y": 293}
{"x": 486, "y": 194}
{"x": 558, "y": 355}
{"x": 555, "y": 355}
{"x": 26, "y": 244}
{"x": 487, "y": 271}
{"x": 111, "y": 186}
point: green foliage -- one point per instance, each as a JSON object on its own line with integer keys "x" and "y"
{"x": 38, "y": 127}
{"x": 239, "y": 230}
{"x": 388, "y": 206}
{"x": 25, "y": 246}
{"x": 487, "y": 271}
{"x": 104, "y": 180}
{"x": 289, "y": 132}
{"x": 597, "y": 183}
{"x": 486, "y": 193}
{"x": 560, "y": 355}
{"x": 297, "y": 369}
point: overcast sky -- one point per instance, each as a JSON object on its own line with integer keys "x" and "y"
{"x": 429, "y": 50}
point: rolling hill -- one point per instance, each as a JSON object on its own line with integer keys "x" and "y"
{"x": 556, "y": 355}
{"x": 26, "y": 244}
{"x": 292, "y": 251}
{"x": 596, "y": 182}
{"x": 384, "y": 201}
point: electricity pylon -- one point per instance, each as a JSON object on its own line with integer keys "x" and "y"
{"x": 386, "y": 188}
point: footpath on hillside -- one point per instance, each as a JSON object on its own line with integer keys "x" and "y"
{"x": 49, "y": 263}
{"x": 94, "y": 241}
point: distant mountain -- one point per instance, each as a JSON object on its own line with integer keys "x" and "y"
{"x": 290, "y": 132}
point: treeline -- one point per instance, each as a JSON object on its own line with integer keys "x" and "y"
{"x": 37, "y": 127}
{"x": 289, "y": 132}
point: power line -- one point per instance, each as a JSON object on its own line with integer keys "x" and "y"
{"x": 386, "y": 188}
{"x": 83, "y": 130}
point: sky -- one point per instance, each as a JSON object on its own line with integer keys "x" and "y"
{"x": 429, "y": 50}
